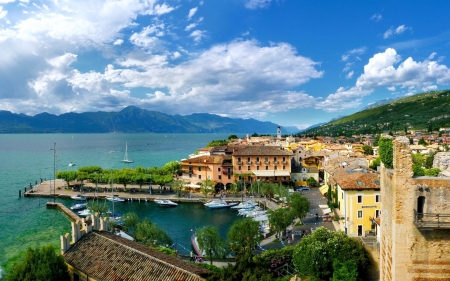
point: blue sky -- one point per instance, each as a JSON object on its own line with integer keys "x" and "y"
{"x": 294, "y": 63}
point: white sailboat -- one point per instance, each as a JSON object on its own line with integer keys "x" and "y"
{"x": 126, "y": 159}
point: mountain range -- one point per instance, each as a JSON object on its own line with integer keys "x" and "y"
{"x": 131, "y": 120}
{"x": 428, "y": 111}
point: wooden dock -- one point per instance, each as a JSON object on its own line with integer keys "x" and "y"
{"x": 71, "y": 215}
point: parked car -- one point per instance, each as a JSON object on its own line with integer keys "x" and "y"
{"x": 300, "y": 188}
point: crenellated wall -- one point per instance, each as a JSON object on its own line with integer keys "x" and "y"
{"x": 409, "y": 252}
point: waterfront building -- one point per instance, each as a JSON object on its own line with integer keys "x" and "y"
{"x": 415, "y": 221}
{"x": 95, "y": 254}
{"x": 264, "y": 163}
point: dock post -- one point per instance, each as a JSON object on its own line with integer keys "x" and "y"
{"x": 20, "y": 193}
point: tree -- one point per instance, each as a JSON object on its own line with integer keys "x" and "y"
{"x": 311, "y": 181}
{"x": 96, "y": 207}
{"x": 177, "y": 186}
{"x": 210, "y": 242}
{"x": 314, "y": 254}
{"x": 375, "y": 163}
{"x": 173, "y": 167}
{"x": 130, "y": 221}
{"x": 368, "y": 150}
{"x": 230, "y": 137}
{"x": 429, "y": 160}
{"x": 243, "y": 237}
{"x": 67, "y": 176}
{"x": 386, "y": 151}
{"x": 206, "y": 187}
{"x": 347, "y": 270}
{"x": 299, "y": 205}
{"x": 40, "y": 264}
{"x": 280, "y": 219}
{"x": 422, "y": 141}
{"x": 149, "y": 234}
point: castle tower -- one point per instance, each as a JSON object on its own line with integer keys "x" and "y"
{"x": 279, "y": 133}
{"x": 415, "y": 232}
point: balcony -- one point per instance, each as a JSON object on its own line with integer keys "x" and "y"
{"x": 239, "y": 162}
{"x": 249, "y": 162}
{"x": 266, "y": 162}
{"x": 258, "y": 162}
{"x": 226, "y": 172}
{"x": 275, "y": 162}
{"x": 431, "y": 220}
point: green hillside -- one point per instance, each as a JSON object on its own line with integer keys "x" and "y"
{"x": 427, "y": 111}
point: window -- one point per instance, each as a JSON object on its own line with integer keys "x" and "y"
{"x": 360, "y": 199}
{"x": 266, "y": 159}
{"x": 257, "y": 167}
{"x": 267, "y": 168}
{"x": 218, "y": 169}
{"x": 239, "y": 160}
{"x": 199, "y": 177}
{"x": 248, "y": 159}
{"x": 248, "y": 168}
{"x": 342, "y": 195}
{"x": 377, "y": 198}
{"x": 190, "y": 175}
{"x": 284, "y": 159}
{"x": 275, "y": 160}
{"x": 257, "y": 159}
{"x": 220, "y": 177}
{"x": 267, "y": 178}
{"x": 199, "y": 168}
{"x": 275, "y": 168}
{"x": 284, "y": 167}
{"x": 229, "y": 177}
{"x": 359, "y": 214}
{"x": 239, "y": 168}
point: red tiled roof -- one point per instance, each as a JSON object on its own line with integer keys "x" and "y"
{"x": 261, "y": 151}
{"x": 105, "y": 256}
{"x": 356, "y": 180}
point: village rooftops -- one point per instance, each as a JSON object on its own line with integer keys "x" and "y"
{"x": 105, "y": 256}
{"x": 356, "y": 179}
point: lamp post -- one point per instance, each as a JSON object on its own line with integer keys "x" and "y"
{"x": 54, "y": 170}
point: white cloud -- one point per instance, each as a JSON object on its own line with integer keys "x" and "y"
{"x": 432, "y": 56}
{"x": 392, "y": 89}
{"x": 118, "y": 42}
{"x": 350, "y": 56}
{"x": 148, "y": 37}
{"x": 191, "y": 26}
{"x": 2, "y": 12}
{"x": 6, "y": 1}
{"x": 399, "y": 30}
{"x": 376, "y": 17}
{"x": 349, "y": 75}
{"x": 386, "y": 70}
{"x": 192, "y": 12}
{"x": 257, "y": 4}
{"x": 198, "y": 35}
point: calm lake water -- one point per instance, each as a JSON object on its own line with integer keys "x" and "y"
{"x": 25, "y": 158}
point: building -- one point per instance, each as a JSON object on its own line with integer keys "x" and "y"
{"x": 264, "y": 163}
{"x": 94, "y": 254}
{"x": 357, "y": 194}
{"x": 415, "y": 221}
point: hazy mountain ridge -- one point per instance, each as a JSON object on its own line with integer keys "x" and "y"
{"x": 430, "y": 111}
{"x": 130, "y": 120}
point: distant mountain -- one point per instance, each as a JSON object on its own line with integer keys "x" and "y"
{"x": 313, "y": 126}
{"x": 378, "y": 103}
{"x": 130, "y": 120}
{"x": 427, "y": 111}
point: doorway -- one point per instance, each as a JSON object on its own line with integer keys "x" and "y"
{"x": 360, "y": 230}
{"x": 420, "y": 207}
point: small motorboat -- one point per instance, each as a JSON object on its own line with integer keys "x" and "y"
{"x": 78, "y": 206}
{"x": 79, "y": 197}
{"x": 115, "y": 199}
{"x": 165, "y": 203}
{"x": 71, "y": 164}
{"x": 84, "y": 213}
{"x": 215, "y": 204}
{"x": 124, "y": 235}
{"x": 250, "y": 204}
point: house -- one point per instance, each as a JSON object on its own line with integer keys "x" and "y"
{"x": 357, "y": 193}
{"x": 94, "y": 254}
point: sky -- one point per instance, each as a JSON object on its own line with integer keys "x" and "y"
{"x": 291, "y": 62}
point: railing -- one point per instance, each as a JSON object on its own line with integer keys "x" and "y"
{"x": 431, "y": 220}
{"x": 226, "y": 172}
{"x": 239, "y": 162}
{"x": 266, "y": 162}
{"x": 249, "y": 162}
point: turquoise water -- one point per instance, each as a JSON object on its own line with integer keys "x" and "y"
{"x": 24, "y": 159}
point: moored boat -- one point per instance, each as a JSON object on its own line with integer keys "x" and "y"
{"x": 79, "y": 197}
{"x": 218, "y": 203}
{"x": 165, "y": 203}
{"x": 78, "y": 206}
{"x": 245, "y": 205}
{"x": 84, "y": 213}
{"x": 115, "y": 199}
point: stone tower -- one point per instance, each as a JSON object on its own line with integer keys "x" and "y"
{"x": 279, "y": 133}
{"x": 415, "y": 222}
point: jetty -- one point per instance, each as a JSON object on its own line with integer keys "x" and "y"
{"x": 71, "y": 215}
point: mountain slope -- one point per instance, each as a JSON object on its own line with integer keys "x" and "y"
{"x": 129, "y": 120}
{"x": 429, "y": 111}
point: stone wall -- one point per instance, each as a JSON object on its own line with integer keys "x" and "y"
{"x": 441, "y": 160}
{"x": 406, "y": 251}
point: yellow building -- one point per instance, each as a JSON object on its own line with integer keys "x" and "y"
{"x": 358, "y": 199}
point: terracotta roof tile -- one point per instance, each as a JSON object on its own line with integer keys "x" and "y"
{"x": 105, "y": 256}
{"x": 261, "y": 150}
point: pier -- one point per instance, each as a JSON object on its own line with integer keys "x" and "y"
{"x": 71, "y": 215}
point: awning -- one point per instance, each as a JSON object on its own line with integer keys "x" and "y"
{"x": 191, "y": 185}
{"x": 326, "y": 211}
{"x": 270, "y": 173}
{"x": 323, "y": 189}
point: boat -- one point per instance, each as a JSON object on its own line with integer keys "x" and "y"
{"x": 79, "y": 197}
{"x": 84, "y": 213}
{"x": 126, "y": 159}
{"x": 215, "y": 204}
{"x": 71, "y": 164}
{"x": 78, "y": 206}
{"x": 195, "y": 246}
{"x": 165, "y": 203}
{"x": 124, "y": 235}
{"x": 115, "y": 199}
{"x": 250, "y": 204}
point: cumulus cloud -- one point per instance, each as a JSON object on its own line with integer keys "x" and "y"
{"x": 2, "y": 12}
{"x": 395, "y": 31}
{"x": 118, "y": 42}
{"x": 388, "y": 70}
{"x": 257, "y": 4}
{"x": 192, "y": 12}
